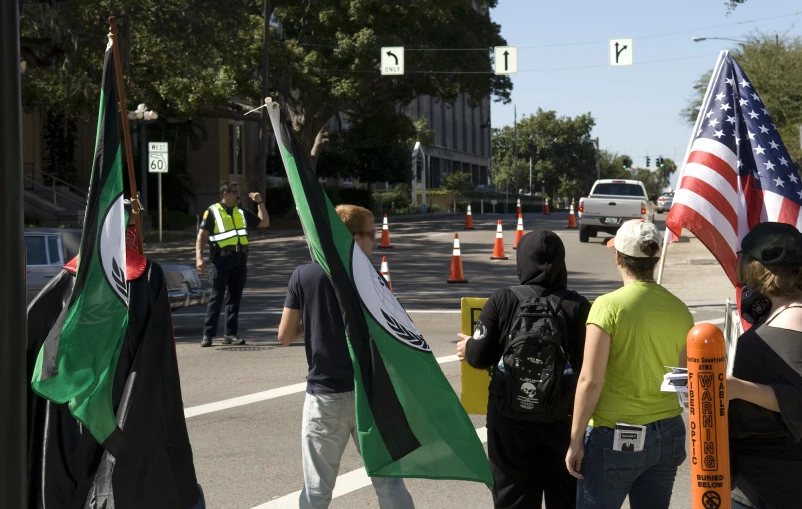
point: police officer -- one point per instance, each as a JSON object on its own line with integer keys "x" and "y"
{"x": 225, "y": 229}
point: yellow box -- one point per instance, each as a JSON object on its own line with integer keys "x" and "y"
{"x": 474, "y": 382}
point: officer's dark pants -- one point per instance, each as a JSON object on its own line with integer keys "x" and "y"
{"x": 225, "y": 272}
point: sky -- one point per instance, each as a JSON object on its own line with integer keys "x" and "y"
{"x": 637, "y": 108}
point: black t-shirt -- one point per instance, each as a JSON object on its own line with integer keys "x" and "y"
{"x": 765, "y": 446}
{"x": 493, "y": 328}
{"x": 207, "y": 222}
{"x": 330, "y": 368}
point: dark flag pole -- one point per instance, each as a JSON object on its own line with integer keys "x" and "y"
{"x": 13, "y": 327}
{"x": 129, "y": 157}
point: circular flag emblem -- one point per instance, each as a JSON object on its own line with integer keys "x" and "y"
{"x": 111, "y": 247}
{"x": 381, "y": 304}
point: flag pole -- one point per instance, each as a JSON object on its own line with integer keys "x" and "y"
{"x": 13, "y": 378}
{"x": 699, "y": 120}
{"x": 136, "y": 207}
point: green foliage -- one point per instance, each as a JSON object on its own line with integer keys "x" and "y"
{"x": 396, "y": 200}
{"x": 561, "y": 148}
{"x": 774, "y": 67}
{"x": 457, "y": 182}
{"x": 188, "y": 58}
{"x": 374, "y": 149}
{"x": 178, "y": 56}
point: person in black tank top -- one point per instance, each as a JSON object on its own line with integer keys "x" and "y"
{"x": 765, "y": 388}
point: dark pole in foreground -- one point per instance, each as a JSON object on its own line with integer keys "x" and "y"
{"x": 13, "y": 327}
{"x": 129, "y": 157}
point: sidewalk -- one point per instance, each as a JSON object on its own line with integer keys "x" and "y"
{"x": 693, "y": 274}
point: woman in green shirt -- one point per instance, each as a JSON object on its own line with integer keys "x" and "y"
{"x": 637, "y": 439}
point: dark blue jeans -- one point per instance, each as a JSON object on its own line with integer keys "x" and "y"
{"x": 647, "y": 476}
{"x": 225, "y": 273}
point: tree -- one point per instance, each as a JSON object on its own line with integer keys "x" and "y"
{"x": 457, "y": 182}
{"x": 561, "y": 148}
{"x": 327, "y": 58}
{"x": 189, "y": 58}
{"x": 179, "y": 56}
{"x": 774, "y": 67}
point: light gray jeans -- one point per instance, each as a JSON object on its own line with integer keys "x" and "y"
{"x": 329, "y": 420}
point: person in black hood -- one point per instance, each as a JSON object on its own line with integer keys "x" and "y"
{"x": 527, "y": 457}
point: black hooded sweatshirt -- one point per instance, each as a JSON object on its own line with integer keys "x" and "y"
{"x": 541, "y": 264}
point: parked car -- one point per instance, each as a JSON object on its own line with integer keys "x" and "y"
{"x": 611, "y": 202}
{"x": 48, "y": 249}
{"x": 664, "y": 203}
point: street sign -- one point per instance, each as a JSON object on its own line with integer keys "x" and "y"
{"x": 157, "y": 163}
{"x": 620, "y": 52}
{"x": 157, "y": 157}
{"x": 392, "y": 59}
{"x": 506, "y": 59}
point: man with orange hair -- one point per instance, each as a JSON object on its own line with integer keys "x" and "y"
{"x": 311, "y": 310}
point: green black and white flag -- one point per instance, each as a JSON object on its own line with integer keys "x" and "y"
{"x": 409, "y": 420}
{"x": 77, "y": 361}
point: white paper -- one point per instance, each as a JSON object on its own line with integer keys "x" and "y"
{"x": 629, "y": 437}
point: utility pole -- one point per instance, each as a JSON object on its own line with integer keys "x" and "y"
{"x": 515, "y": 148}
{"x": 530, "y": 175}
{"x": 13, "y": 328}
{"x": 598, "y": 164}
{"x": 262, "y": 149}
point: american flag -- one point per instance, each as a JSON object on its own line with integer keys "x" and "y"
{"x": 737, "y": 172}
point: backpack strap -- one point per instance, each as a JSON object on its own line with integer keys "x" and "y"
{"x": 523, "y": 292}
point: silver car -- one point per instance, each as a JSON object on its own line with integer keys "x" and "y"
{"x": 664, "y": 203}
{"x": 48, "y": 249}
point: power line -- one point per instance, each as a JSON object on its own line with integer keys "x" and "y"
{"x": 583, "y": 43}
{"x": 578, "y": 67}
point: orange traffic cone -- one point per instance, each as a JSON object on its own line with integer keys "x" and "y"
{"x": 519, "y": 232}
{"x": 546, "y": 211}
{"x": 498, "y": 247}
{"x": 456, "y": 276}
{"x": 385, "y": 271}
{"x": 571, "y": 217}
{"x": 469, "y": 219}
{"x": 385, "y": 243}
{"x": 518, "y": 210}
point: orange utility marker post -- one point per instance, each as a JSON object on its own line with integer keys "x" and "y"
{"x": 707, "y": 418}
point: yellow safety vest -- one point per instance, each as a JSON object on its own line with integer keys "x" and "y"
{"x": 229, "y": 230}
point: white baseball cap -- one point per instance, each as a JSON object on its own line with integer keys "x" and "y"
{"x": 631, "y": 235}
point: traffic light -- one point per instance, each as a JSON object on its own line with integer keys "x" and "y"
{"x": 660, "y": 162}
{"x": 647, "y": 161}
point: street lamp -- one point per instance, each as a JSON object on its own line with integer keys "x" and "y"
{"x": 700, "y": 39}
{"x": 141, "y": 115}
{"x": 418, "y": 148}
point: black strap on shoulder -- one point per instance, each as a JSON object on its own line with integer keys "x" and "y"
{"x": 523, "y": 292}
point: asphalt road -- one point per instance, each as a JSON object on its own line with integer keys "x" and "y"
{"x": 243, "y": 404}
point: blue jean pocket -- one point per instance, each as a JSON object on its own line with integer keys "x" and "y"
{"x": 621, "y": 468}
{"x": 679, "y": 453}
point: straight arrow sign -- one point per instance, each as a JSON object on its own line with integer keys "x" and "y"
{"x": 507, "y": 54}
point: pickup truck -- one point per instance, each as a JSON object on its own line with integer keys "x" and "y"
{"x": 611, "y": 202}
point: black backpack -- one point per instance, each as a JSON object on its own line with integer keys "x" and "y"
{"x": 536, "y": 379}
